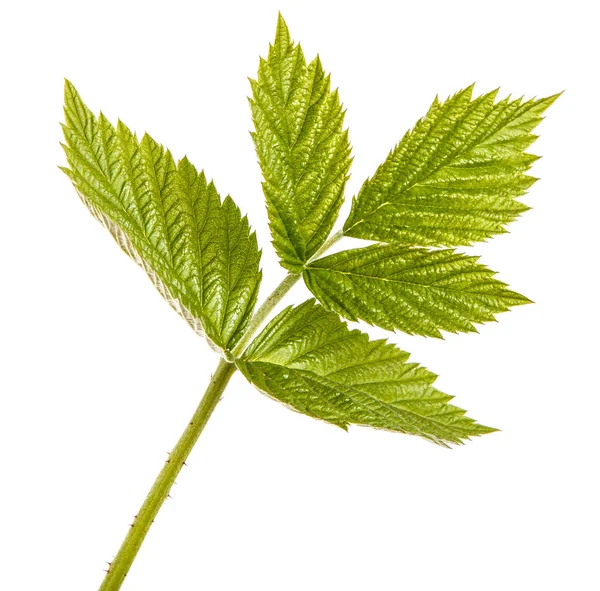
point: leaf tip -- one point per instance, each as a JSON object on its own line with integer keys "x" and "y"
{"x": 71, "y": 96}
{"x": 282, "y": 33}
{"x": 68, "y": 87}
{"x": 553, "y": 97}
{"x": 521, "y": 300}
{"x": 485, "y": 430}
{"x": 281, "y": 24}
{"x": 468, "y": 91}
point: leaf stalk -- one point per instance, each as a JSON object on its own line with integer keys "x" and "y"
{"x": 265, "y": 309}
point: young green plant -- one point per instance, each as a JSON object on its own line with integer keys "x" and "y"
{"x": 453, "y": 180}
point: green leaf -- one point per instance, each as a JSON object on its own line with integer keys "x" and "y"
{"x": 308, "y": 359}
{"x": 416, "y": 290}
{"x": 197, "y": 250}
{"x": 302, "y": 149}
{"x": 455, "y": 178}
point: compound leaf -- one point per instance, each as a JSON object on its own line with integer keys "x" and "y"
{"x": 302, "y": 149}
{"x": 308, "y": 359}
{"x": 416, "y": 290}
{"x": 455, "y": 178}
{"x": 197, "y": 250}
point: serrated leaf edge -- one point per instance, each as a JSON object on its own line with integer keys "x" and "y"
{"x": 123, "y": 240}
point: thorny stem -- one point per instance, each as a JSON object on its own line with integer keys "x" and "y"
{"x": 119, "y": 567}
{"x": 159, "y": 492}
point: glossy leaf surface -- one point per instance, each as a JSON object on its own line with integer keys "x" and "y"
{"x": 198, "y": 250}
{"x": 308, "y": 359}
{"x": 455, "y": 178}
{"x": 415, "y": 290}
{"x": 302, "y": 148}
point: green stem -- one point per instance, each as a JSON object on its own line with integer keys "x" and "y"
{"x": 121, "y": 564}
{"x": 326, "y": 245}
{"x": 289, "y": 280}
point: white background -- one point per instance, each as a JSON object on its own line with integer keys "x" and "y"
{"x": 99, "y": 375}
